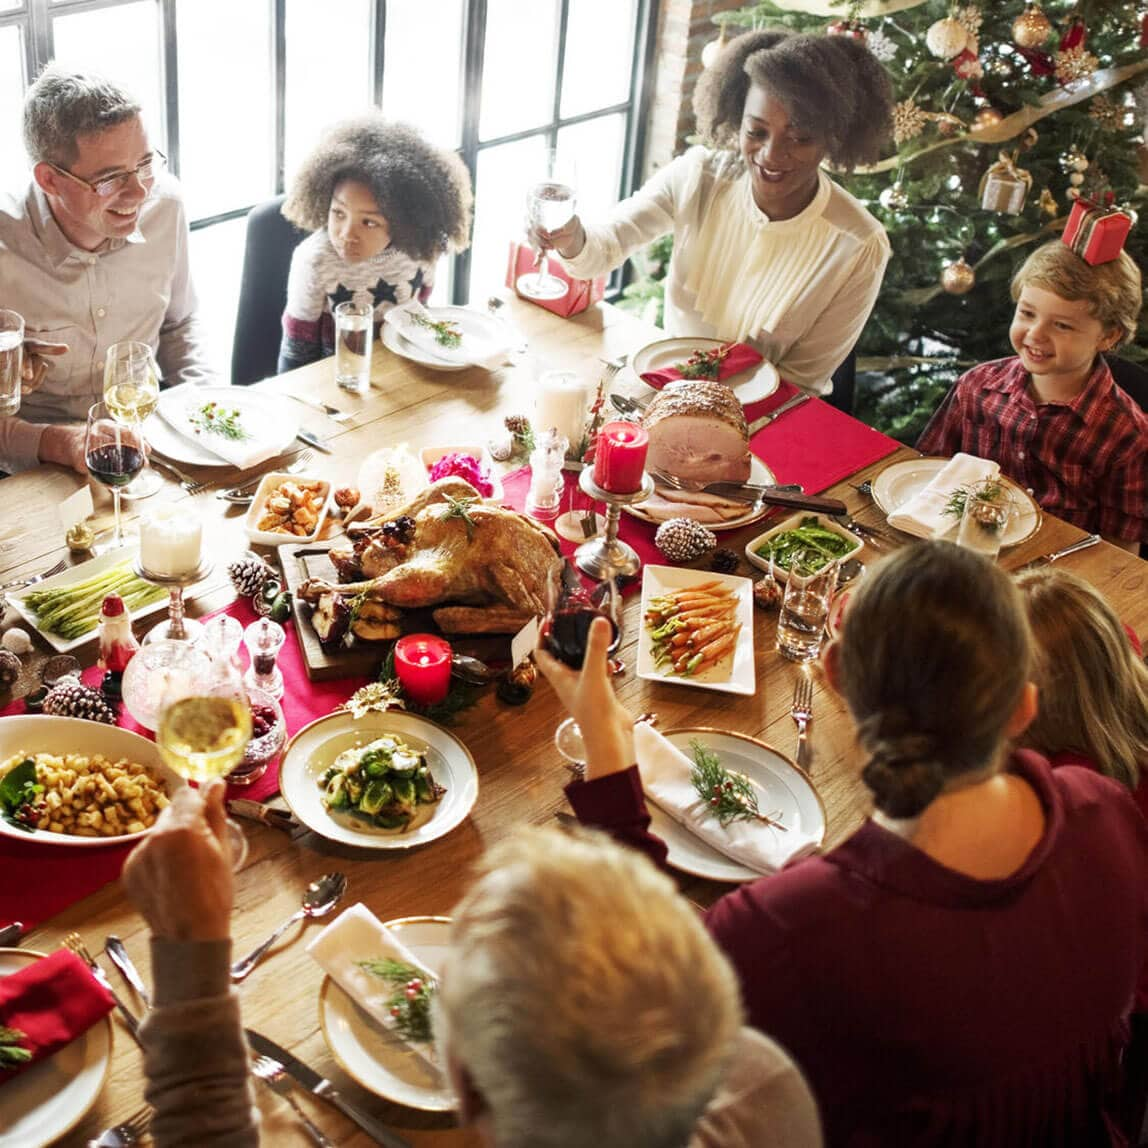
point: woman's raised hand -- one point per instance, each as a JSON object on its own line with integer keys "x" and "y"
{"x": 568, "y": 240}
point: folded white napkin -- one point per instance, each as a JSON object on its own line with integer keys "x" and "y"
{"x": 666, "y": 781}
{"x": 474, "y": 349}
{"x": 924, "y": 515}
{"x": 177, "y": 407}
{"x": 358, "y": 935}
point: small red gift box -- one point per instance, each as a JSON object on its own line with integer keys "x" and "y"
{"x": 1096, "y": 233}
{"x": 582, "y": 293}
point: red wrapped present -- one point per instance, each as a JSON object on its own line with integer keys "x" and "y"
{"x": 46, "y": 1006}
{"x": 715, "y": 364}
{"x": 1096, "y": 232}
{"x": 582, "y": 292}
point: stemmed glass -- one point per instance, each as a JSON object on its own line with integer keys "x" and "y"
{"x": 572, "y": 607}
{"x": 131, "y": 391}
{"x": 549, "y": 205}
{"x": 204, "y": 727}
{"x": 114, "y": 455}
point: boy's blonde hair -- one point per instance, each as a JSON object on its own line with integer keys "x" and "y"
{"x": 1093, "y": 687}
{"x": 1112, "y": 289}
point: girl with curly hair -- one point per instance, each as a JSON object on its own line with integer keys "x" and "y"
{"x": 384, "y": 206}
{"x": 767, "y": 248}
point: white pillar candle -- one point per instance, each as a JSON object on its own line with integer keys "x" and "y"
{"x": 171, "y": 539}
{"x": 561, "y": 403}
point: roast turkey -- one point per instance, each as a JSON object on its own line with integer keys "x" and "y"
{"x": 698, "y": 432}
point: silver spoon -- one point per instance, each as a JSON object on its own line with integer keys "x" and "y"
{"x": 848, "y": 570}
{"x": 321, "y": 897}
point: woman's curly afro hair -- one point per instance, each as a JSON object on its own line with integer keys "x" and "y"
{"x": 423, "y": 192}
{"x": 831, "y": 86}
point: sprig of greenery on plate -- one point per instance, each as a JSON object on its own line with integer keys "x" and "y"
{"x": 12, "y": 1052}
{"x": 955, "y": 504}
{"x": 20, "y": 796}
{"x": 214, "y": 419}
{"x": 410, "y": 1002}
{"x": 729, "y": 795}
{"x": 704, "y": 363}
{"x": 446, "y": 333}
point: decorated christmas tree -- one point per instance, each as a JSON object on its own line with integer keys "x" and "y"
{"x": 1006, "y": 114}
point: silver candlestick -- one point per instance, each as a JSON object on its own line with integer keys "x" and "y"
{"x": 607, "y": 556}
{"x": 177, "y": 627}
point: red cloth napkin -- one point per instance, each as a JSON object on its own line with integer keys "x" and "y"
{"x": 739, "y": 357}
{"x": 51, "y": 1002}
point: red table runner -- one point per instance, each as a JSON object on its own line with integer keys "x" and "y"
{"x": 40, "y": 880}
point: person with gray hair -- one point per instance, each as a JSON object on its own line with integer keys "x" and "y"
{"x": 94, "y": 253}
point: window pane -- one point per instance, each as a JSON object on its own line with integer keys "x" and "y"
{"x": 424, "y": 88}
{"x": 597, "y": 147}
{"x": 222, "y": 170}
{"x": 10, "y": 5}
{"x": 504, "y": 176}
{"x": 123, "y": 44}
{"x": 216, "y": 269}
{"x": 327, "y": 69}
{"x": 599, "y": 55}
{"x": 15, "y": 166}
{"x": 518, "y": 66}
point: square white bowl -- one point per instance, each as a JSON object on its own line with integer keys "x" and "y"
{"x": 429, "y": 455}
{"x": 792, "y": 523}
{"x": 276, "y": 537}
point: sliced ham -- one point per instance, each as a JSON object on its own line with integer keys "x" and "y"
{"x": 698, "y": 432}
{"x": 664, "y": 504}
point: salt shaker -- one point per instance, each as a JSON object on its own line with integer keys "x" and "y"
{"x": 263, "y": 639}
{"x": 546, "y": 481}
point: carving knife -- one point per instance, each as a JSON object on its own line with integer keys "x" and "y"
{"x": 776, "y": 496}
{"x": 264, "y": 814}
{"x": 788, "y": 405}
{"x": 10, "y": 934}
{"x": 319, "y": 1086}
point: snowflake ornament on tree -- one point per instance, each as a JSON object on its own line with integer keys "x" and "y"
{"x": 881, "y": 46}
{"x": 1074, "y": 64}
{"x": 908, "y": 121}
{"x": 1107, "y": 116}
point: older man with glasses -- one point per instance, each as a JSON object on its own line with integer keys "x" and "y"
{"x": 95, "y": 253}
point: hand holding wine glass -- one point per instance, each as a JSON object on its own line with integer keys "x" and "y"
{"x": 114, "y": 454}
{"x": 550, "y": 208}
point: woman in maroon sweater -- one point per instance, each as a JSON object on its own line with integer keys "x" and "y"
{"x": 959, "y": 971}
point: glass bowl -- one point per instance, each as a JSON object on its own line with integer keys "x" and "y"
{"x": 268, "y": 736}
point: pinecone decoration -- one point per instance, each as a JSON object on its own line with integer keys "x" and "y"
{"x": 517, "y": 424}
{"x": 724, "y": 561}
{"x": 71, "y": 698}
{"x": 683, "y": 539}
{"x": 249, "y": 576}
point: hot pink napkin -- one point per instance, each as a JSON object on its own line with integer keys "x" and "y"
{"x": 738, "y": 357}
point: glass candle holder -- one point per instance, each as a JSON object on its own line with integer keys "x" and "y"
{"x": 422, "y": 663}
{"x": 544, "y": 499}
{"x": 264, "y": 639}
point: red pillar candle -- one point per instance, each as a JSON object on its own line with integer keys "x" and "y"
{"x": 620, "y": 457}
{"x": 422, "y": 662}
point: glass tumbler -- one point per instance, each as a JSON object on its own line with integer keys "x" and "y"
{"x": 353, "y": 322}
{"x": 805, "y": 610}
{"x": 985, "y": 519}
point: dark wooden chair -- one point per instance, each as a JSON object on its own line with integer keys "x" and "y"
{"x": 1131, "y": 378}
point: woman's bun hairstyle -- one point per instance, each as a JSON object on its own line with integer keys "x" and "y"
{"x": 903, "y": 773}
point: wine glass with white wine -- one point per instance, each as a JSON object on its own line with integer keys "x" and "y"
{"x": 550, "y": 205}
{"x": 204, "y": 727}
{"x": 131, "y": 392}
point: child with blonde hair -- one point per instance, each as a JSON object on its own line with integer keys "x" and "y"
{"x": 1052, "y": 415}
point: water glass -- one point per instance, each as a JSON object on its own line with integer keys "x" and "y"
{"x": 805, "y": 610}
{"x": 11, "y": 361}
{"x": 353, "y": 323}
{"x": 988, "y": 508}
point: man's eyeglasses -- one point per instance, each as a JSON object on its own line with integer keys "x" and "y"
{"x": 108, "y": 185}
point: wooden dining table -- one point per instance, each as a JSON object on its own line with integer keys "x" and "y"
{"x": 521, "y": 773}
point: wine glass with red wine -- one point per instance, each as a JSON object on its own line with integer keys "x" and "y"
{"x": 114, "y": 453}
{"x": 573, "y": 606}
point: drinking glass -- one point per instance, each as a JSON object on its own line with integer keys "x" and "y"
{"x": 131, "y": 391}
{"x": 550, "y": 205}
{"x": 805, "y": 607}
{"x": 11, "y": 361}
{"x": 353, "y": 322}
{"x": 204, "y": 727}
{"x": 114, "y": 454}
{"x": 985, "y": 518}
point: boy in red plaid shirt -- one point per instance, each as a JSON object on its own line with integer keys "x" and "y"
{"x": 1051, "y": 415}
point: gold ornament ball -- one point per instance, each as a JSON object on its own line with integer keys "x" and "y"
{"x": 1031, "y": 28}
{"x": 1073, "y": 193}
{"x": 987, "y": 118}
{"x": 894, "y": 197}
{"x": 1076, "y": 179}
{"x": 958, "y": 278}
{"x": 946, "y": 38}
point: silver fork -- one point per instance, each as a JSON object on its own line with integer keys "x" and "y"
{"x": 57, "y": 568}
{"x": 191, "y": 485}
{"x": 802, "y": 713}
{"x": 273, "y": 1074}
{"x": 74, "y": 942}
{"x": 330, "y": 411}
{"x": 122, "y": 1135}
{"x": 628, "y": 406}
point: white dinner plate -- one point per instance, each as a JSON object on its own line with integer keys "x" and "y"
{"x": 379, "y": 1060}
{"x": 271, "y": 420}
{"x": 896, "y": 484}
{"x": 52, "y": 1097}
{"x": 41, "y": 733}
{"x": 81, "y": 573}
{"x": 780, "y": 786}
{"x": 758, "y": 473}
{"x": 314, "y": 748}
{"x": 484, "y": 327}
{"x": 750, "y": 385}
{"x": 734, "y": 675}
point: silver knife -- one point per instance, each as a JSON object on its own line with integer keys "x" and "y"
{"x": 10, "y": 934}
{"x": 319, "y": 1086}
{"x": 314, "y": 440}
{"x": 255, "y": 811}
{"x": 118, "y": 955}
{"x": 788, "y": 405}
{"x": 777, "y": 496}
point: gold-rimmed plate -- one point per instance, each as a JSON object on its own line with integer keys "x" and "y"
{"x": 749, "y": 386}
{"x": 374, "y": 1056}
{"x": 52, "y": 1097}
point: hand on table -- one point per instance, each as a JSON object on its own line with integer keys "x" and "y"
{"x": 568, "y": 240}
{"x": 179, "y": 877}
{"x": 36, "y": 355}
{"x": 606, "y": 725}
{"x": 64, "y": 445}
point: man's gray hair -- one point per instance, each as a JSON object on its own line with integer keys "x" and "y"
{"x": 584, "y": 998}
{"x": 62, "y": 106}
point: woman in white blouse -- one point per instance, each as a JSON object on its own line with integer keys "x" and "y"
{"x": 767, "y": 248}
